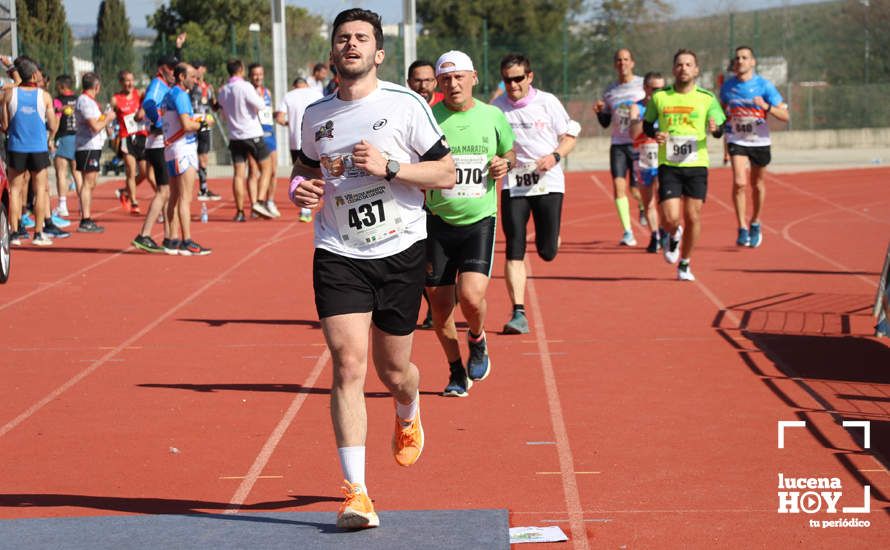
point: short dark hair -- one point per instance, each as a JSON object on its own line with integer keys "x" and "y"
{"x": 233, "y": 66}
{"x": 358, "y": 14}
{"x": 89, "y": 80}
{"x": 318, "y": 66}
{"x": 253, "y": 66}
{"x": 651, "y": 75}
{"x": 181, "y": 69}
{"x": 512, "y": 59}
{"x": 619, "y": 50}
{"x": 26, "y": 67}
{"x": 198, "y": 63}
{"x": 298, "y": 80}
{"x": 418, "y": 64}
{"x": 749, "y": 48}
{"x": 122, "y": 73}
{"x": 684, "y": 51}
{"x": 65, "y": 80}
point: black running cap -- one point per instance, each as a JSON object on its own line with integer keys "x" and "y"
{"x": 168, "y": 60}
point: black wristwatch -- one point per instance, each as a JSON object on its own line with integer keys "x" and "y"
{"x": 557, "y": 156}
{"x": 392, "y": 168}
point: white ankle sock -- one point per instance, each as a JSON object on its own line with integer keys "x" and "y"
{"x": 409, "y": 411}
{"x": 352, "y": 462}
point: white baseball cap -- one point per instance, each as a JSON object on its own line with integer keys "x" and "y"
{"x": 459, "y": 62}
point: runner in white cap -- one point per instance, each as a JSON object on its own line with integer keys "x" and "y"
{"x": 461, "y": 226}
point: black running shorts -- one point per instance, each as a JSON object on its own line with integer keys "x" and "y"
{"x": 390, "y": 288}
{"x": 33, "y": 162}
{"x": 87, "y": 160}
{"x": 621, "y": 162}
{"x": 255, "y": 147}
{"x": 759, "y": 156}
{"x": 675, "y": 182}
{"x": 453, "y": 249}
{"x": 159, "y": 165}
{"x": 547, "y": 213}
{"x": 136, "y": 146}
{"x": 203, "y": 142}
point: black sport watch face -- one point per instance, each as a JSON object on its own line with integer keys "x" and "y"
{"x": 392, "y": 167}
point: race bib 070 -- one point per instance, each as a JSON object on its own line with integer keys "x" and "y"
{"x": 472, "y": 177}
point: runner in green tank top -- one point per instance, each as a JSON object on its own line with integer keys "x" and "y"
{"x": 461, "y": 224}
{"x": 476, "y": 136}
{"x": 685, "y": 115}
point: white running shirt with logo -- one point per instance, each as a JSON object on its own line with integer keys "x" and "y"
{"x": 619, "y": 98}
{"x": 537, "y": 127}
{"x": 365, "y": 216}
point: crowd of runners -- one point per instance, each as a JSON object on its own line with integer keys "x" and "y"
{"x": 406, "y": 184}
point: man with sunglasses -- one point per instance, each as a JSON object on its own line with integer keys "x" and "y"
{"x": 461, "y": 223}
{"x": 614, "y": 110}
{"x": 536, "y": 185}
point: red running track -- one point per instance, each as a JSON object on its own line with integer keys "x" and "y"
{"x": 640, "y": 411}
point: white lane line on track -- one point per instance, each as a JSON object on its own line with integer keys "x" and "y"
{"x": 6, "y": 428}
{"x": 77, "y": 273}
{"x": 563, "y": 448}
{"x": 275, "y": 437}
{"x": 786, "y": 234}
{"x": 822, "y": 199}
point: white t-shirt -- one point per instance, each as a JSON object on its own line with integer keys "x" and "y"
{"x": 537, "y": 127}
{"x": 365, "y": 216}
{"x": 241, "y": 104}
{"x": 294, "y": 105}
{"x": 85, "y": 139}
{"x": 619, "y": 98}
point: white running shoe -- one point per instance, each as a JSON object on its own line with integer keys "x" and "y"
{"x": 61, "y": 211}
{"x": 272, "y": 208}
{"x": 672, "y": 250}
{"x": 684, "y": 273}
{"x": 41, "y": 239}
{"x": 260, "y": 208}
{"x": 628, "y": 239}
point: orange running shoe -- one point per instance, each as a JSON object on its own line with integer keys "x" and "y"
{"x": 357, "y": 511}
{"x": 124, "y": 197}
{"x": 407, "y": 442}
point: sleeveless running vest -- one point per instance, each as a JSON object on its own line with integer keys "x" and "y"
{"x": 27, "y": 124}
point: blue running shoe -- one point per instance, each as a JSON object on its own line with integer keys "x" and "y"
{"x": 756, "y": 235}
{"x": 744, "y": 238}
{"x": 59, "y": 221}
{"x": 28, "y": 220}
{"x": 458, "y": 382}
{"x": 479, "y": 364}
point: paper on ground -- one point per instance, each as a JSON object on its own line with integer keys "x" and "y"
{"x": 537, "y": 534}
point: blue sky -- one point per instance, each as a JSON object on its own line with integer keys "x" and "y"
{"x": 84, "y": 11}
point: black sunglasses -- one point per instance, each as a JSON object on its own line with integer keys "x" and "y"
{"x": 514, "y": 79}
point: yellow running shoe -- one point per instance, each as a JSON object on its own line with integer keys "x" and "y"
{"x": 357, "y": 511}
{"x": 407, "y": 442}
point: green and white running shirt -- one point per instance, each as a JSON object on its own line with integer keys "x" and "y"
{"x": 685, "y": 118}
{"x": 475, "y": 136}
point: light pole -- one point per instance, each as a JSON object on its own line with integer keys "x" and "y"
{"x": 867, "y": 5}
{"x": 254, "y": 28}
